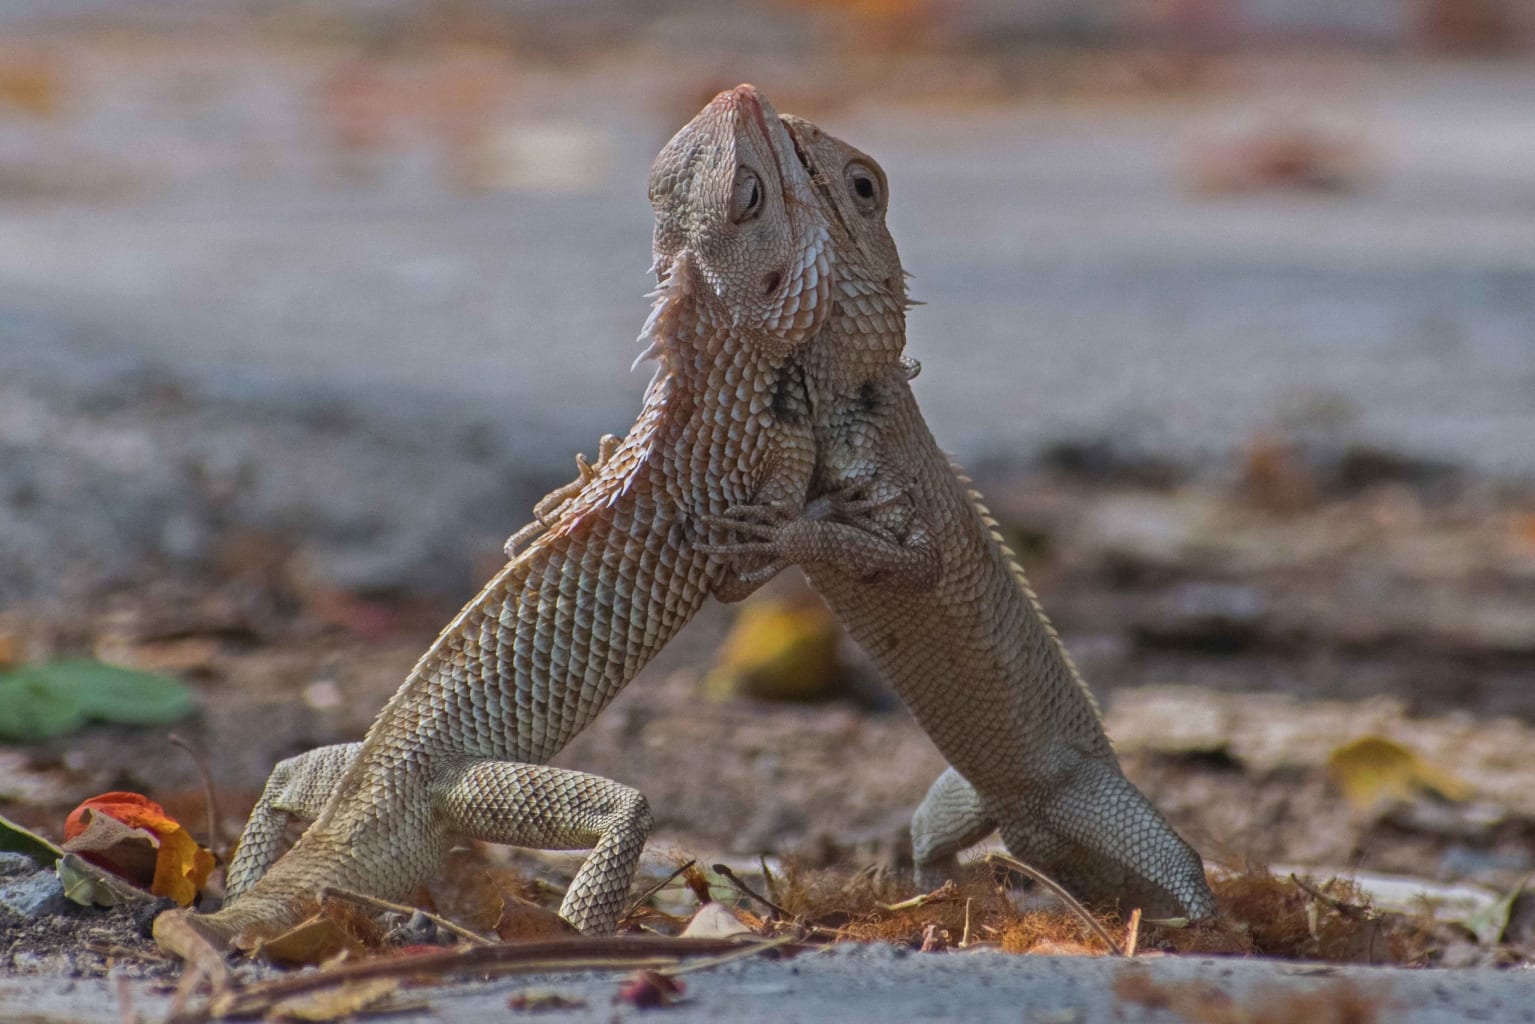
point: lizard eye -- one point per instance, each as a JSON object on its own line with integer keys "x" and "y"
{"x": 865, "y": 186}
{"x": 745, "y": 196}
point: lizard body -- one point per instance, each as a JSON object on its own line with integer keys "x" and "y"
{"x": 612, "y": 570}
{"x": 902, "y": 549}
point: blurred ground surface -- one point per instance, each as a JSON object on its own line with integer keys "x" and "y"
{"x": 867, "y": 984}
{"x": 417, "y": 280}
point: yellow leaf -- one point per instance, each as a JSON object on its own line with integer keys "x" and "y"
{"x": 182, "y": 867}
{"x": 1373, "y": 770}
{"x": 344, "y": 1001}
{"x": 779, "y": 650}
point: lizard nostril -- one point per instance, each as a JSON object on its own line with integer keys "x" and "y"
{"x": 771, "y": 282}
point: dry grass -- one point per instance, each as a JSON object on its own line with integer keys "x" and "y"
{"x": 1260, "y": 915}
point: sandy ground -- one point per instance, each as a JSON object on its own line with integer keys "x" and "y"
{"x": 868, "y": 984}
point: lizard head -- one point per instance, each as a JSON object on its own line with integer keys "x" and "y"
{"x": 853, "y": 190}
{"x": 738, "y": 227}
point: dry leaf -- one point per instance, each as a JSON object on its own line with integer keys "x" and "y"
{"x": 345, "y": 1000}
{"x": 779, "y": 650}
{"x": 310, "y": 942}
{"x": 522, "y": 920}
{"x": 714, "y": 920}
{"x": 106, "y": 842}
{"x": 1373, "y": 770}
{"x": 180, "y": 866}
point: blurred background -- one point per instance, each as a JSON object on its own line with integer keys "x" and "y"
{"x": 1230, "y": 308}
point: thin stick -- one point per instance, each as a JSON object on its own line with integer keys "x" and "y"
{"x": 577, "y": 953}
{"x": 741, "y": 954}
{"x": 1133, "y": 932}
{"x": 1066, "y": 897}
{"x": 216, "y": 838}
{"x": 947, "y": 891}
{"x": 1346, "y": 909}
{"x": 964, "y": 938}
{"x": 374, "y": 903}
{"x": 730, "y": 876}
{"x": 662, "y": 884}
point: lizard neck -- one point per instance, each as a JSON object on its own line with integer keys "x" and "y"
{"x": 864, "y": 338}
{"x": 712, "y": 414}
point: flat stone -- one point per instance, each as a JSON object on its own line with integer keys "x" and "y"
{"x": 13, "y": 864}
{"x": 33, "y": 896}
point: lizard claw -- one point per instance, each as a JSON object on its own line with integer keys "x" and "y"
{"x": 757, "y": 577}
{"x": 735, "y": 550}
{"x": 761, "y": 531}
{"x": 842, "y": 505}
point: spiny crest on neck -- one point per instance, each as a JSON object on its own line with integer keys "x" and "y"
{"x": 741, "y": 242}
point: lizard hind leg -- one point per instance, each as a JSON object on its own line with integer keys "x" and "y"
{"x": 949, "y": 820}
{"x": 297, "y": 790}
{"x": 547, "y": 808}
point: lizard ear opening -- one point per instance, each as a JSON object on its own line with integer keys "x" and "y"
{"x": 771, "y": 282}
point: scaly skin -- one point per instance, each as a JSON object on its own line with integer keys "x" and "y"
{"x": 904, "y": 552}
{"x": 612, "y": 571}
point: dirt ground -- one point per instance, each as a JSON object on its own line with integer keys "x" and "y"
{"x": 1212, "y": 633}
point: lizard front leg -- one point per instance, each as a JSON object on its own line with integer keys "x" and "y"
{"x": 552, "y": 505}
{"x": 836, "y": 531}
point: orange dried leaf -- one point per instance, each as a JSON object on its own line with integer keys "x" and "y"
{"x": 128, "y": 852}
{"x": 181, "y": 866}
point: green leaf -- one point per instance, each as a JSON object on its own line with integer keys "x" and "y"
{"x": 1488, "y": 923}
{"x": 39, "y": 701}
{"x": 124, "y": 695}
{"x": 33, "y": 708}
{"x": 15, "y": 839}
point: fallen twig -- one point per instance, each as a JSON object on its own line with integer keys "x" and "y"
{"x": 725, "y": 958}
{"x": 639, "y": 901}
{"x": 1059, "y": 890}
{"x": 374, "y": 903}
{"x": 1348, "y": 910}
{"x": 572, "y": 954}
{"x": 204, "y": 962}
{"x": 216, "y": 839}
{"x": 947, "y": 891}
{"x": 1133, "y": 932}
{"x": 730, "y": 876}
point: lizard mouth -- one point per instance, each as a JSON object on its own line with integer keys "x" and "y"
{"x": 818, "y": 180}
{"x": 746, "y": 98}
